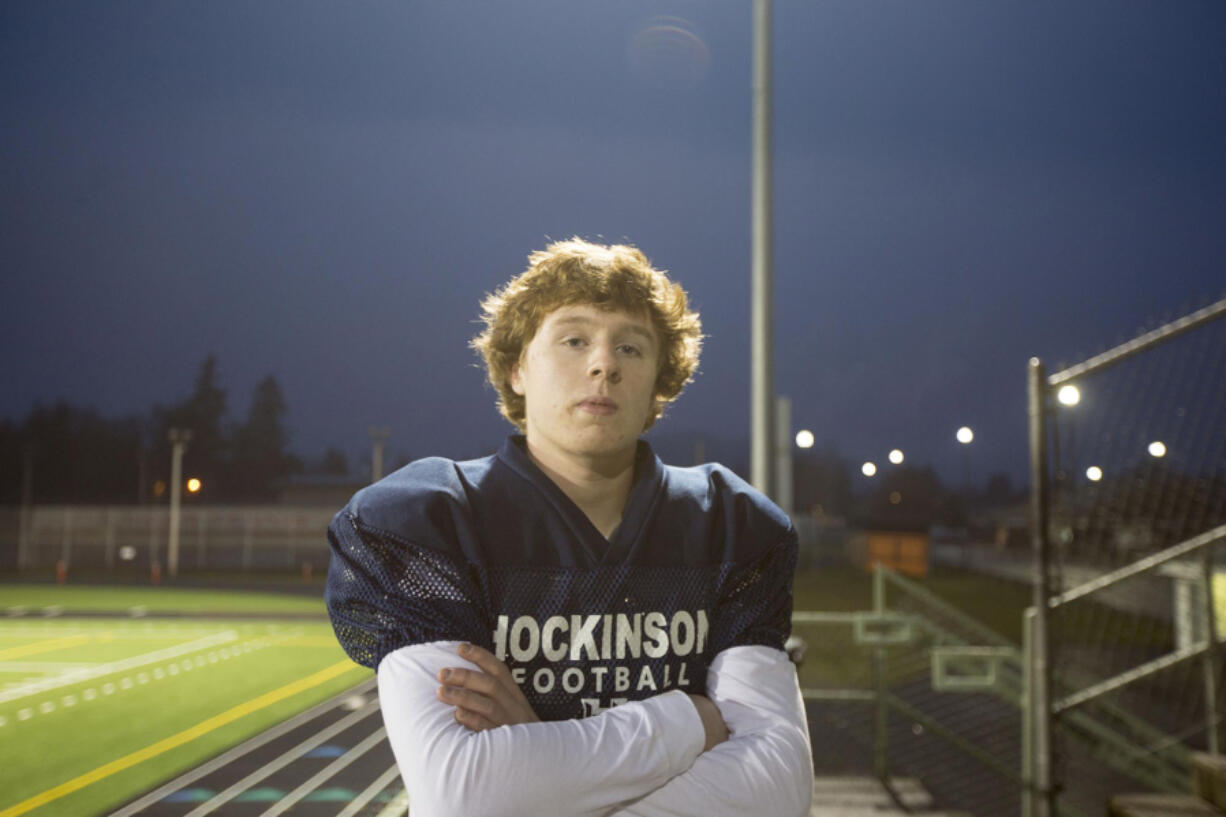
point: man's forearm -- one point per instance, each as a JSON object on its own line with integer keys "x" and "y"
{"x": 576, "y": 767}
{"x": 766, "y": 768}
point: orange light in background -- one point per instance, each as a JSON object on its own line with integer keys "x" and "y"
{"x": 159, "y": 488}
{"x": 193, "y": 485}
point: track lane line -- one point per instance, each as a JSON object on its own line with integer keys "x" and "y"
{"x": 381, "y": 782}
{"x": 326, "y": 773}
{"x": 246, "y": 747}
{"x": 221, "y": 798}
{"x": 176, "y": 740}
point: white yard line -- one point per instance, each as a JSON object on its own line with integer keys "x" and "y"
{"x": 381, "y": 782}
{"x": 250, "y": 745}
{"x": 223, "y": 797}
{"x": 99, "y": 670}
{"x": 42, "y": 666}
{"x": 323, "y": 775}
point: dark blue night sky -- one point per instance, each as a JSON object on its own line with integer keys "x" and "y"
{"x": 324, "y": 191}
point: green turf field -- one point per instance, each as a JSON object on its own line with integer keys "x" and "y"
{"x": 38, "y": 599}
{"x": 96, "y": 710}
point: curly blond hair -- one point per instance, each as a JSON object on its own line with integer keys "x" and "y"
{"x": 610, "y": 277}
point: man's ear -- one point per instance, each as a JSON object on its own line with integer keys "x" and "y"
{"x": 517, "y": 382}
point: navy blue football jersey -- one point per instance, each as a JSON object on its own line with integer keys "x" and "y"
{"x": 492, "y": 552}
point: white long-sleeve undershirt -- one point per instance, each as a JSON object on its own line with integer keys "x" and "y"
{"x": 641, "y": 759}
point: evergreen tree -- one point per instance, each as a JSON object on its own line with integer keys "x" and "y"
{"x": 203, "y": 413}
{"x": 261, "y": 455}
{"x": 74, "y": 455}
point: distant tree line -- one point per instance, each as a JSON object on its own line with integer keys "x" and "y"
{"x": 66, "y": 453}
{"x": 899, "y": 497}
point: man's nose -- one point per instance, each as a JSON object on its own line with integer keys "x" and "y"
{"x": 604, "y": 363}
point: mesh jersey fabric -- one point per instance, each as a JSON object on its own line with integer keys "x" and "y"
{"x": 492, "y": 552}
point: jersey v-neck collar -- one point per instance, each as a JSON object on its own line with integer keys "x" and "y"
{"x": 648, "y": 481}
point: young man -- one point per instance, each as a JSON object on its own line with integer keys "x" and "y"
{"x": 569, "y": 627}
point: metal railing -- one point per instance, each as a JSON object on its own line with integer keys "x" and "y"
{"x": 1074, "y": 701}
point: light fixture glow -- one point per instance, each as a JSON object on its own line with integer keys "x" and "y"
{"x": 1157, "y": 449}
{"x": 868, "y": 469}
{"x": 965, "y": 435}
{"x": 896, "y": 456}
{"x": 193, "y": 485}
{"x": 1094, "y": 473}
{"x": 804, "y": 438}
{"x": 1069, "y": 395}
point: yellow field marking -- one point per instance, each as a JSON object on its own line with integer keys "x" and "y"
{"x": 44, "y": 646}
{"x": 174, "y": 741}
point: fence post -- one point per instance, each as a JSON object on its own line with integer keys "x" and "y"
{"x": 881, "y": 722}
{"x": 110, "y": 539}
{"x": 1211, "y": 659}
{"x": 66, "y": 541}
{"x": 1027, "y": 714}
{"x": 1041, "y": 670}
{"x": 201, "y": 525}
{"x": 248, "y": 523}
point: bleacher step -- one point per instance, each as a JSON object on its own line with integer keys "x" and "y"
{"x": 1209, "y": 777}
{"x": 867, "y": 797}
{"x": 1160, "y": 805}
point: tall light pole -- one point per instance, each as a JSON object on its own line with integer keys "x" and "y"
{"x": 762, "y": 439}
{"x": 378, "y": 437}
{"x": 784, "y": 481}
{"x": 179, "y": 438}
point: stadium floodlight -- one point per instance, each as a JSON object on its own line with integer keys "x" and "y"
{"x": 965, "y": 435}
{"x": 868, "y": 469}
{"x": 896, "y": 456}
{"x": 1157, "y": 449}
{"x": 804, "y": 438}
{"x": 1069, "y": 395}
{"x": 1094, "y": 473}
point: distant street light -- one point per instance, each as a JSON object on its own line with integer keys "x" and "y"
{"x": 896, "y": 457}
{"x": 1094, "y": 473}
{"x": 868, "y": 469}
{"x": 804, "y": 438}
{"x": 194, "y": 485}
{"x": 1069, "y": 395}
{"x": 965, "y": 435}
{"x": 1157, "y": 449}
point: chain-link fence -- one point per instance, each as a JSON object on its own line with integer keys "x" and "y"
{"x": 134, "y": 540}
{"x": 1132, "y": 508}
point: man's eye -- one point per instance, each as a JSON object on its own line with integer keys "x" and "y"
{"x": 630, "y": 349}
{"x": 573, "y": 342}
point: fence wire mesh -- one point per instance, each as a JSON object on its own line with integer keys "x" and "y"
{"x": 127, "y": 540}
{"x": 1138, "y": 467}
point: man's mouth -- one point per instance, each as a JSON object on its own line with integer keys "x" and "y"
{"x": 598, "y": 405}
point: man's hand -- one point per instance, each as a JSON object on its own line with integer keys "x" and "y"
{"x": 713, "y": 726}
{"x": 487, "y": 698}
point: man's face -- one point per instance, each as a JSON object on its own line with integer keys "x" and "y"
{"x": 588, "y": 378}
